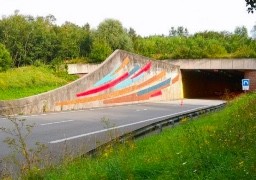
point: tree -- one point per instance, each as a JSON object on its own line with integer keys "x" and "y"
{"x": 253, "y": 32}
{"x": 113, "y": 33}
{"x": 5, "y": 58}
{"x": 15, "y": 35}
{"x": 70, "y": 37}
{"x": 100, "y": 50}
{"x": 28, "y": 38}
{"x": 241, "y": 31}
{"x": 86, "y": 42}
{"x": 179, "y": 31}
{"x": 251, "y": 4}
{"x": 43, "y": 40}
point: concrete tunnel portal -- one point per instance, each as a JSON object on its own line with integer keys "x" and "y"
{"x": 211, "y": 84}
{"x": 214, "y": 78}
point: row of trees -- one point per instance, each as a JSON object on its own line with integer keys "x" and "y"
{"x": 200, "y": 45}
{"x": 26, "y": 40}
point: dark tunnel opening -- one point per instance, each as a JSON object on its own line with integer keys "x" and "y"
{"x": 211, "y": 84}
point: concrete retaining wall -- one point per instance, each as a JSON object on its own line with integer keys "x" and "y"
{"x": 82, "y": 68}
{"x": 149, "y": 86}
{"x": 230, "y": 64}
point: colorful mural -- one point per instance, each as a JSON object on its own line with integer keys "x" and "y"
{"x": 123, "y": 77}
{"x": 128, "y": 82}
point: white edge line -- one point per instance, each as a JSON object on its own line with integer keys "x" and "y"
{"x": 56, "y": 122}
{"x": 73, "y": 111}
{"x": 122, "y": 126}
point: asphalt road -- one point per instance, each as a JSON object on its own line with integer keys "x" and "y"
{"x": 74, "y": 132}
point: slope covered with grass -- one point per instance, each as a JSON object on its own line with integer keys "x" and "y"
{"x": 216, "y": 146}
{"x": 30, "y": 80}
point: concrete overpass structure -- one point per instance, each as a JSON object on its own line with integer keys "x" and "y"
{"x": 214, "y": 77}
{"x": 122, "y": 78}
{"x": 206, "y": 78}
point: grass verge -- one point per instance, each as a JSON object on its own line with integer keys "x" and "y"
{"x": 216, "y": 146}
{"x": 26, "y": 81}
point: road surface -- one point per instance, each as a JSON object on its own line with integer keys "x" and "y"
{"x": 74, "y": 132}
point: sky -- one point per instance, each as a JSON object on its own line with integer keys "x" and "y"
{"x": 146, "y": 17}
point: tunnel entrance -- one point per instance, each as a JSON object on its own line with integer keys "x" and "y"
{"x": 211, "y": 84}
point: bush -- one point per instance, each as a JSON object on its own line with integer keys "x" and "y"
{"x": 244, "y": 52}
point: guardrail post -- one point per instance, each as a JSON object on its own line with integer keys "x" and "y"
{"x": 160, "y": 128}
{"x": 171, "y": 122}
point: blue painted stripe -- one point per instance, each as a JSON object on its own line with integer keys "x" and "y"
{"x": 136, "y": 68}
{"x": 127, "y": 82}
{"x": 155, "y": 87}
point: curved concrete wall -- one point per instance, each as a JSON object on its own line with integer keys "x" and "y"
{"x": 122, "y": 78}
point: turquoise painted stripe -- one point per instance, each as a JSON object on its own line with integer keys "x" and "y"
{"x": 127, "y": 82}
{"x": 107, "y": 78}
{"x": 138, "y": 77}
{"x": 155, "y": 87}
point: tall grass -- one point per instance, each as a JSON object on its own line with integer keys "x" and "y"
{"x": 216, "y": 146}
{"x": 30, "y": 80}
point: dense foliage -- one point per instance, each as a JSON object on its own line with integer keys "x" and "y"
{"x": 31, "y": 40}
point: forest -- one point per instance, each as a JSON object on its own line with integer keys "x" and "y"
{"x": 27, "y": 40}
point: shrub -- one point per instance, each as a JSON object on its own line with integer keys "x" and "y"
{"x": 244, "y": 52}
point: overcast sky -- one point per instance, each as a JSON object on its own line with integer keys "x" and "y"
{"x": 147, "y": 17}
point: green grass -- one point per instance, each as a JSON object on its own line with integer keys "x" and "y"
{"x": 30, "y": 80}
{"x": 219, "y": 145}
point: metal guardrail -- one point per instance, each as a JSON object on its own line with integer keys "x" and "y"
{"x": 172, "y": 120}
{"x": 157, "y": 126}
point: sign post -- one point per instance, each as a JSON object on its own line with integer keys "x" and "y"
{"x": 245, "y": 84}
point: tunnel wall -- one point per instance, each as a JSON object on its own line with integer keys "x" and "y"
{"x": 211, "y": 84}
{"x": 251, "y": 74}
{"x": 122, "y": 78}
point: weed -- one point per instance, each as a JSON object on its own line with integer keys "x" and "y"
{"x": 17, "y": 142}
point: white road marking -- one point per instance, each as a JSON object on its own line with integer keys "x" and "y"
{"x": 58, "y": 122}
{"x": 138, "y": 110}
{"x": 74, "y": 111}
{"x": 122, "y": 126}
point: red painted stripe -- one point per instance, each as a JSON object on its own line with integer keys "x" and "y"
{"x": 158, "y": 93}
{"x": 143, "y": 69}
{"x": 105, "y": 86}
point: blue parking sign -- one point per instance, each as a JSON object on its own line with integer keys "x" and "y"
{"x": 245, "y": 84}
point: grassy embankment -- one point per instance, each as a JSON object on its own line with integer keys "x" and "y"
{"x": 216, "y": 146}
{"x": 26, "y": 81}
